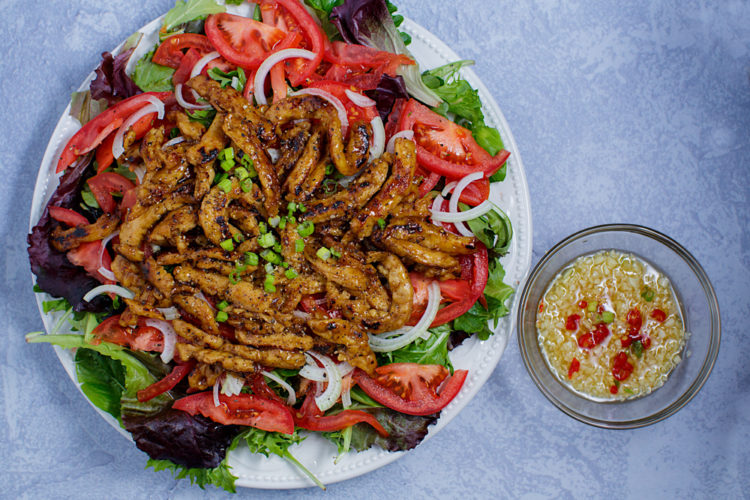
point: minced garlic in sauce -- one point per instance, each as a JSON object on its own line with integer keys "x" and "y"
{"x": 610, "y": 326}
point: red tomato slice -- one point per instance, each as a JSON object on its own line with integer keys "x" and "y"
{"x": 423, "y": 397}
{"x": 444, "y": 147}
{"x": 170, "y": 50}
{"x": 243, "y": 409}
{"x": 241, "y": 40}
{"x": 478, "y": 265}
{"x": 182, "y": 74}
{"x": 87, "y": 255}
{"x": 104, "y": 155}
{"x": 67, "y": 216}
{"x": 94, "y": 132}
{"x": 260, "y": 387}
{"x": 314, "y": 36}
{"x": 104, "y": 184}
{"x": 141, "y": 338}
{"x": 353, "y": 112}
{"x": 167, "y": 383}
{"x": 311, "y": 418}
{"x": 361, "y": 56}
{"x": 450, "y": 290}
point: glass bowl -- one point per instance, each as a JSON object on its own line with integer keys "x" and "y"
{"x": 700, "y": 311}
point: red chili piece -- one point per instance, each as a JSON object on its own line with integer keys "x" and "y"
{"x": 646, "y": 342}
{"x": 594, "y": 338}
{"x": 572, "y": 322}
{"x": 613, "y": 389}
{"x": 541, "y": 306}
{"x": 583, "y": 304}
{"x": 622, "y": 368}
{"x": 575, "y": 365}
{"x": 659, "y": 315}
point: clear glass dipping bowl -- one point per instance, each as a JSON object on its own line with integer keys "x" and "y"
{"x": 700, "y": 313}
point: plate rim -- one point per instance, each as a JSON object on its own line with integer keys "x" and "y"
{"x": 368, "y": 460}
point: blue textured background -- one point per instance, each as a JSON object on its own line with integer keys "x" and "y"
{"x": 623, "y": 112}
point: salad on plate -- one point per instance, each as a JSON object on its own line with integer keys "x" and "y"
{"x": 272, "y": 224}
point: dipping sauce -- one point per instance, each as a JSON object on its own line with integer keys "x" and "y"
{"x": 610, "y": 327}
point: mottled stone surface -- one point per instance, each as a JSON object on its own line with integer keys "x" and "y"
{"x": 623, "y": 112}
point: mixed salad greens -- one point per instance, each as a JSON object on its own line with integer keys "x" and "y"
{"x": 357, "y": 55}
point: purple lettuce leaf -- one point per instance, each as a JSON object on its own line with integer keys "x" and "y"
{"x": 404, "y": 431}
{"x": 189, "y": 441}
{"x": 54, "y": 272}
{"x": 112, "y": 82}
{"x": 389, "y": 89}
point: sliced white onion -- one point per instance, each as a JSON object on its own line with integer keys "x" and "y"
{"x": 270, "y": 62}
{"x": 204, "y": 299}
{"x": 335, "y": 102}
{"x": 291, "y": 398}
{"x": 406, "y": 134}
{"x": 116, "y": 289}
{"x": 201, "y": 63}
{"x": 378, "y": 138}
{"x": 437, "y": 205}
{"x": 453, "y": 205}
{"x": 182, "y": 102}
{"x": 346, "y": 393}
{"x": 172, "y": 142}
{"x": 311, "y": 371}
{"x": 344, "y": 368}
{"x": 448, "y": 188}
{"x": 198, "y": 67}
{"x": 102, "y": 270}
{"x": 140, "y": 173}
{"x": 232, "y": 384}
{"x": 170, "y": 337}
{"x": 274, "y": 154}
{"x": 473, "y": 213}
{"x": 387, "y": 342}
{"x": 169, "y": 313}
{"x": 346, "y": 180}
{"x": 154, "y": 106}
{"x": 301, "y": 315}
{"x": 360, "y": 100}
{"x": 217, "y": 386}
{"x": 333, "y": 391}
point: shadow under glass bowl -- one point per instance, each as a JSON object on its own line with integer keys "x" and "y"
{"x": 700, "y": 311}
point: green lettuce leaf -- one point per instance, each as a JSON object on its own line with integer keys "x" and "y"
{"x": 102, "y": 380}
{"x": 432, "y": 351}
{"x": 493, "y": 229}
{"x": 152, "y": 77}
{"x": 186, "y": 11}
{"x": 220, "y": 476}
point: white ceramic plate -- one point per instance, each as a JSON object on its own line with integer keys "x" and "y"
{"x": 479, "y": 357}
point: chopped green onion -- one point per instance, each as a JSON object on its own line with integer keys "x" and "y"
{"x": 291, "y": 274}
{"x": 268, "y": 283}
{"x": 222, "y": 305}
{"x": 381, "y": 223}
{"x": 329, "y": 169}
{"x": 251, "y": 259}
{"x": 266, "y": 240}
{"x": 227, "y": 245}
{"x": 221, "y": 316}
{"x": 226, "y": 165}
{"x": 225, "y": 185}
{"x": 291, "y": 207}
{"x": 306, "y": 229}
{"x": 283, "y": 264}
{"x": 241, "y": 173}
{"x": 226, "y": 154}
{"x": 269, "y": 268}
{"x": 282, "y": 223}
{"x": 647, "y": 294}
{"x": 299, "y": 245}
{"x": 335, "y": 253}
{"x": 277, "y": 247}
{"x": 246, "y": 185}
{"x": 234, "y": 277}
{"x": 238, "y": 237}
{"x": 323, "y": 253}
{"x": 302, "y": 208}
{"x": 271, "y": 256}
{"x": 262, "y": 227}
{"x": 608, "y": 316}
{"x": 248, "y": 163}
{"x": 274, "y": 221}
{"x": 637, "y": 348}
{"x": 220, "y": 177}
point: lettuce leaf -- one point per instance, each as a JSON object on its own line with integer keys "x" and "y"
{"x": 152, "y": 77}
{"x": 112, "y": 82}
{"x": 432, "y": 351}
{"x": 102, "y": 380}
{"x": 190, "y": 10}
{"x": 220, "y": 476}
{"x": 369, "y": 22}
{"x": 404, "y": 431}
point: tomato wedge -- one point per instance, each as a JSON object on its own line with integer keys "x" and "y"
{"x": 243, "y": 409}
{"x": 476, "y": 266}
{"x": 311, "y": 418}
{"x": 412, "y": 388}
{"x": 444, "y": 147}
{"x": 142, "y": 338}
{"x": 87, "y": 255}
{"x": 170, "y": 50}
{"x": 353, "y": 112}
{"x": 361, "y": 66}
{"x": 104, "y": 155}
{"x": 314, "y": 35}
{"x": 168, "y": 383}
{"x": 67, "y": 216}
{"x": 104, "y": 184}
{"x": 450, "y": 290}
{"x": 244, "y": 41}
{"x": 94, "y": 132}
